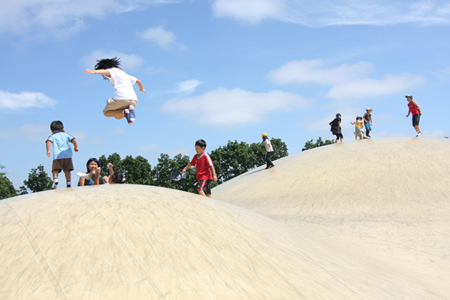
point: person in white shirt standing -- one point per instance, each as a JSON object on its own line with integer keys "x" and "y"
{"x": 125, "y": 99}
{"x": 269, "y": 150}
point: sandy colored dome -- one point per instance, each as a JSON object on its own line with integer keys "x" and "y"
{"x": 383, "y": 205}
{"x": 364, "y": 220}
{"x": 140, "y": 242}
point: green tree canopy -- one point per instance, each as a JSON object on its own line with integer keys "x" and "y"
{"x": 137, "y": 170}
{"x": 310, "y": 144}
{"x": 161, "y": 173}
{"x": 38, "y": 180}
{"x": 6, "y": 186}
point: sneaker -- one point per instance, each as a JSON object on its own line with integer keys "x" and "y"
{"x": 271, "y": 166}
{"x": 54, "y": 185}
{"x": 126, "y": 113}
{"x": 132, "y": 113}
{"x": 84, "y": 175}
{"x": 69, "y": 184}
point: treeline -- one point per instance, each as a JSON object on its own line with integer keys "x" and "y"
{"x": 231, "y": 160}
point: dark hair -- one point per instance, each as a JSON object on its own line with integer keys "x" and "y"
{"x": 89, "y": 162}
{"x": 201, "y": 143}
{"x": 118, "y": 177}
{"x": 108, "y": 63}
{"x": 265, "y": 137}
{"x": 338, "y": 115}
{"x": 56, "y": 125}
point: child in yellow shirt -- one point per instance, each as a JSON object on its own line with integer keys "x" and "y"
{"x": 359, "y": 128}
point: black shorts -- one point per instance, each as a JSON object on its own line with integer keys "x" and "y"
{"x": 339, "y": 136}
{"x": 416, "y": 120}
{"x": 205, "y": 185}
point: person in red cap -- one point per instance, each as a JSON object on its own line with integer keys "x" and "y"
{"x": 414, "y": 109}
{"x": 269, "y": 150}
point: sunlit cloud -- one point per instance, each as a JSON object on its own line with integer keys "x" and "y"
{"x": 163, "y": 38}
{"x": 62, "y": 18}
{"x": 230, "y": 108}
{"x": 336, "y": 12}
{"x": 24, "y": 100}
{"x": 344, "y": 81}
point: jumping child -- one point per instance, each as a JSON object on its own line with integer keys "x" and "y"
{"x": 204, "y": 167}
{"x": 62, "y": 152}
{"x": 336, "y": 128}
{"x": 359, "y": 131}
{"x": 125, "y": 99}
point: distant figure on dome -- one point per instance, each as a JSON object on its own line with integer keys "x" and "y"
{"x": 124, "y": 102}
{"x": 414, "y": 109}
{"x": 62, "y": 152}
{"x": 336, "y": 128}
{"x": 269, "y": 151}
{"x": 368, "y": 121}
{"x": 359, "y": 128}
{"x": 204, "y": 167}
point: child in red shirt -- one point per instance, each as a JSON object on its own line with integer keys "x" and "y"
{"x": 204, "y": 168}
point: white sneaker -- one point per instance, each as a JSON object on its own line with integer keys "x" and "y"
{"x": 84, "y": 175}
{"x": 419, "y": 134}
{"x": 54, "y": 185}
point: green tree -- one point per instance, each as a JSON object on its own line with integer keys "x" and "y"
{"x": 38, "y": 180}
{"x": 161, "y": 173}
{"x": 6, "y": 186}
{"x": 114, "y": 159}
{"x": 233, "y": 159}
{"x": 310, "y": 144}
{"x": 137, "y": 170}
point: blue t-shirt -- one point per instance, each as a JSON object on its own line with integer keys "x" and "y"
{"x": 61, "y": 147}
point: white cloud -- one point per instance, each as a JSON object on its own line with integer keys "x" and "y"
{"x": 314, "y": 71}
{"x": 230, "y": 108}
{"x": 62, "y": 17}
{"x": 147, "y": 148}
{"x": 336, "y": 12}
{"x": 165, "y": 39}
{"x": 187, "y": 87}
{"x": 368, "y": 87}
{"x": 24, "y": 100}
{"x": 345, "y": 81}
{"x": 251, "y": 11}
{"x": 127, "y": 61}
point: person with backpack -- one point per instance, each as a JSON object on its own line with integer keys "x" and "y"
{"x": 414, "y": 109}
{"x": 336, "y": 128}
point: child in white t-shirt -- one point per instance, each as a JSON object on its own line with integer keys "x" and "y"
{"x": 269, "y": 151}
{"x": 125, "y": 99}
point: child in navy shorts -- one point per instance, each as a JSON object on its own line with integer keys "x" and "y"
{"x": 204, "y": 168}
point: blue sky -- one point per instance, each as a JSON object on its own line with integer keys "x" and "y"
{"x": 218, "y": 70}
